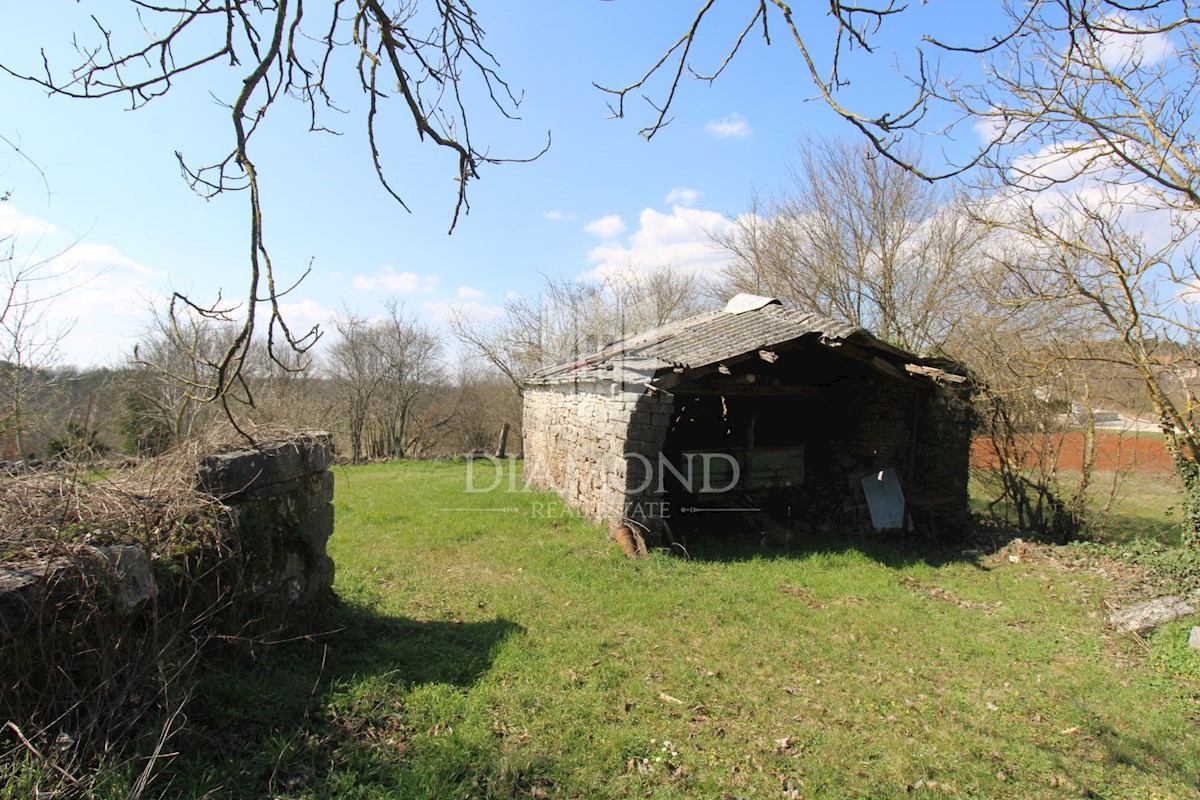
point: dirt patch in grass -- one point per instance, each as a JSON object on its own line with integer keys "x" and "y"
{"x": 803, "y": 594}
{"x": 938, "y": 593}
{"x": 1114, "y": 451}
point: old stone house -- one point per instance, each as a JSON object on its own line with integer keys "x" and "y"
{"x": 755, "y": 415}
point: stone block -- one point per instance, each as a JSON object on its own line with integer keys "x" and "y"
{"x": 266, "y": 471}
{"x": 131, "y": 580}
{"x": 22, "y": 587}
{"x": 316, "y": 528}
{"x": 1147, "y": 616}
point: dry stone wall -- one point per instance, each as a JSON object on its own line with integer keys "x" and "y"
{"x": 591, "y": 445}
{"x": 95, "y": 639}
{"x": 279, "y": 499}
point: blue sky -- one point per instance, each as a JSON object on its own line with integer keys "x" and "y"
{"x": 601, "y": 198}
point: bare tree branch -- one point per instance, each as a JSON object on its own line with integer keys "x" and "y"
{"x": 428, "y": 54}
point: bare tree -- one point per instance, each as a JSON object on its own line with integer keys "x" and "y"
{"x": 859, "y": 238}
{"x": 292, "y": 393}
{"x": 1094, "y": 183}
{"x": 381, "y": 369}
{"x": 1081, "y": 88}
{"x": 409, "y": 355}
{"x": 1028, "y": 388}
{"x": 428, "y": 56}
{"x": 569, "y": 317}
{"x": 29, "y": 342}
{"x": 1089, "y": 261}
{"x": 162, "y": 408}
{"x": 354, "y": 365}
{"x": 484, "y": 401}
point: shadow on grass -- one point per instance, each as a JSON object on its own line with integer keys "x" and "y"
{"x": 1143, "y": 754}
{"x": 311, "y": 714}
{"x": 896, "y": 550}
{"x": 414, "y": 651}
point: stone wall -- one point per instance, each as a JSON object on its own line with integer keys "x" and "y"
{"x": 96, "y": 640}
{"x": 592, "y": 444}
{"x": 877, "y": 432}
{"x": 863, "y": 426}
{"x": 279, "y": 501}
{"x": 649, "y": 423}
{"x": 280, "y": 498}
{"x": 882, "y": 411}
{"x": 942, "y": 467}
{"x": 577, "y": 441}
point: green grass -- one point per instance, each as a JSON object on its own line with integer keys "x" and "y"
{"x": 1144, "y": 507}
{"x": 495, "y": 653}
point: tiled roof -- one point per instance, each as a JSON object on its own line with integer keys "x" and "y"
{"x": 703, "y": 340}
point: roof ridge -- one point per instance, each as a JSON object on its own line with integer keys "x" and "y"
{"x": 703, "y": 339}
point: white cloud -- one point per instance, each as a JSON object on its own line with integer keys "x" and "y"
{"x": 1078, "y": 183}
{"x": 990, "y": 126}
{"x": 608, "y": 227}
{"x": 303, "y": 315}
{"x": 13, "y": 221}
{"x": 478, "y": 312}
{"x": 467, "y": 292}
{"x": 1120, "y": 45}
{"x": 100, "y": 285}
{"x": 387, "y": 279}
{"x": 733, "y": 126}
{"x": 683, "y": 196}
{"x": 1058, "y": 163}
{"x": 105, "y": 301}
{"x": 1073, "y": 179}
{"x": 100, "y": 259}
{"x": 101, "y": 301}
{"x": 681, "y": 239}
{"x": 558, "y": 216}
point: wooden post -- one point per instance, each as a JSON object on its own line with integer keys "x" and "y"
{"x": 503, "y": 441}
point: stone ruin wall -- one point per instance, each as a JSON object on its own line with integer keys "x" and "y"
{"x": 279, "y": 500}
{"x": 577, "y": 438}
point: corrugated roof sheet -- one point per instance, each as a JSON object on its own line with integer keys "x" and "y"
{"x": 697, "y": 342}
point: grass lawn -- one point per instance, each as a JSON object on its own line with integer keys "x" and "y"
{"x": 1143, "y": 506}
{"x": 492, "y": 646}
{"x": 1146, "y": 507}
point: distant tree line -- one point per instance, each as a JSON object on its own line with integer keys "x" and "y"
{"x": 383, "y": 388}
